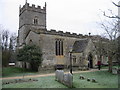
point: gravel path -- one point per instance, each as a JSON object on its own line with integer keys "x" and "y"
{"x": 51, "y": 74}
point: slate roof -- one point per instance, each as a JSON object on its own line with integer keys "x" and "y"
{"x": 80, "y": 46}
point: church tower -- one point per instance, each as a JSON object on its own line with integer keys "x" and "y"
{"x": 30, "y": 17}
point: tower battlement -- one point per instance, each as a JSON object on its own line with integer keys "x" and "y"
{"x": 32, "y": 8}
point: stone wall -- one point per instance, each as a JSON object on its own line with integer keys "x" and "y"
{"x": 23, "y": 64}
{"x": 79, "y": 60}
{"x": 27, "y": 14}
{"x": 91, "y": 49}
{"x": 29, "y": 33}
{"x": 82, "y": 58}
{"x": 47, "y": 44}
{"x": 32, "y": 38}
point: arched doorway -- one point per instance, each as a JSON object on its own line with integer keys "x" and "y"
{"x": 90, "y": 59}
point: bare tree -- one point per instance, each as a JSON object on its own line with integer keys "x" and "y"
{"x": 112, "y": 16}
{"x": 8, "y": 43}
{"x": 12, "y": 43}
{"x": 12, "y": 47}
{"x": 5, "y": 51}
{"x": 112, "y": 30}
{"x": 5, "y": 37}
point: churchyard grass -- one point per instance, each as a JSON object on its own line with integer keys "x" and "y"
{"x": 106, "y": 67}
{"x": 15, "y": 71}
{"x": 43, "y": 82}
{"x": 104, "y": 80}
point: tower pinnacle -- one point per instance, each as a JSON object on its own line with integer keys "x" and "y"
{"x": 25, "y": 1}
{"x": 45, "y": 4}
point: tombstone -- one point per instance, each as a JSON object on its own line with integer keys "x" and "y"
{"x": 61, "y": 75}
{"x": 88, "y": 79}
{"x": 56, "y": 75}
{"x": 81, "y": 77}
{"x": 114, "y": 71}
{"x": 68, "y": 79}
{"x": 83, "y": 68}
{"x": 93, "y": 80}
{"x": 65, "y": 77}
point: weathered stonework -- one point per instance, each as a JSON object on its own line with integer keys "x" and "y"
{"x": 82, "y": 57}
{"x": 27, "y": 14}
{"x": 47, "y": 44}
{"x": 66, "y": 79}
{"x": 32, "y": 30}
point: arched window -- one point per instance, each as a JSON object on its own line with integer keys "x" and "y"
{"x": 59, "y": 47}
{"x": 35, "y": 21}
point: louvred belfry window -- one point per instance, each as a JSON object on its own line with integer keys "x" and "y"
{"x": 35, "y": 21}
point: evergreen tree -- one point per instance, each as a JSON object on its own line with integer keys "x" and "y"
{"x": 31, "y": 54}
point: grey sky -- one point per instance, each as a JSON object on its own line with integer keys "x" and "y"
{"x": 79, "y": 16}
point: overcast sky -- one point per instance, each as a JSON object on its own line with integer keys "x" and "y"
{"x": 78, "y": 16}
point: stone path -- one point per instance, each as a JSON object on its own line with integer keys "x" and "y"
{"x": 51, "y": 74}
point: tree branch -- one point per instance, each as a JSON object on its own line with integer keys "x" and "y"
{"x": 111, "y": 16}
{"x": 116, "y": 4}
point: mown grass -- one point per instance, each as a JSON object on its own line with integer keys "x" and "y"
{"x": 43, "y": 82}
{"x": 106, "y": 67}
{"x": 104, "y": 80}
{"x": 14, "y": 71}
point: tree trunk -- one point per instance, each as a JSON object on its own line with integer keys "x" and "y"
{"x": 34, "y": 66}
{"x": 110, "y": 64}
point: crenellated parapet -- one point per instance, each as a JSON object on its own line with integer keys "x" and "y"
{"x": 32, "y": 8}
{"x": 68, "y": 34}
{"x": 60, "y": 33}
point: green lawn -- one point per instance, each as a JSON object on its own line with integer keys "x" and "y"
{"x": 15, "y": 71}
{"x": 106, "y": 67}
{"x": 43, "y": 82}
{"x": 104, "y": 79}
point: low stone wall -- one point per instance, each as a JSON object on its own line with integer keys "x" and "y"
{"x": 21, "y": 64}
{"x": 66, "y": 79}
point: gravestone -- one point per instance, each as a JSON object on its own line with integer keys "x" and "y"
{"x": 93, "y": 80}
{"x": 82, "y": 77}
{"x": 70, "y": 79}
{"x": 115, "y": 71}
{"x": 56, "y": 75}
{"x": 66, "y": 79}
{"x": 59, "y": 75}
{"x": 88, "y": 79}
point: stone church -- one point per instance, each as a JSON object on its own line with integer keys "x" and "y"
{"x": 55, "y": 45}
